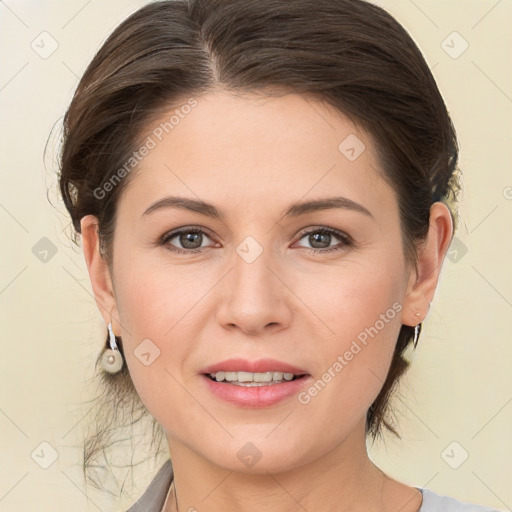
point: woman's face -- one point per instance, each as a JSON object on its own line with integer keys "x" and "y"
{"x": 247, "y": 285}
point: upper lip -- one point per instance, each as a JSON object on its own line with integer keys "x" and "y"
{"x": 259, "y": 366}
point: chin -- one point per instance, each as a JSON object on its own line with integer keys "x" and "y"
{"x": 261, "y": 457}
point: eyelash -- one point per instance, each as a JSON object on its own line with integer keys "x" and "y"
{"x": 346, "y": 240}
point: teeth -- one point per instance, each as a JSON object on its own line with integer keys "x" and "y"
{"x": 242, "y": 377}
{"x": 218, "y": 376}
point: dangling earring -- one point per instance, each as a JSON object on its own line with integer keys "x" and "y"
{"x": 112, "y": 360}
{"x": 417, "y": 330}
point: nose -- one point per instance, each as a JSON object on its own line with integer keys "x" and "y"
{"x": 254, "y": 297}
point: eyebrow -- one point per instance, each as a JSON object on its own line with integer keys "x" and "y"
{"x": 294, "y": 210}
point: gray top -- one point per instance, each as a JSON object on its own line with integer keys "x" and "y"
{"x": 154, "y": 496}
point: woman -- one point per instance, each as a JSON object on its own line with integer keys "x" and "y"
{"x": 262, "y": 189}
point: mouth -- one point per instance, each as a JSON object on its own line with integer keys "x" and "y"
{"x": 250, "y": 379}
{"x": 254, "y": 383}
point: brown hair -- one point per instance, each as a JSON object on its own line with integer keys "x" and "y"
{"x": 350, "y": 54}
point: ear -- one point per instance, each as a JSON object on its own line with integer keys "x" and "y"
{"x": 423, "y": 281}
{"x": 99, "y": 273}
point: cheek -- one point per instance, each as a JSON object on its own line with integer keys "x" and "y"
{"x": 157, "y": 299}
{"x": 363, "y": 312}
{"x": 156, "y": 310}
{"x": 356, "y": 298}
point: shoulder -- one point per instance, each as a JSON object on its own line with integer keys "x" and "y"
{"x": 433, "y": 502}
{"x": 154, "y": 496}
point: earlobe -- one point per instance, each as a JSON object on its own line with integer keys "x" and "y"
{"x": 420, "y": 291}
{"x": 99, "y": 273}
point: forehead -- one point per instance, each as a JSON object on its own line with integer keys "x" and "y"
{"x": 240, "y": 150}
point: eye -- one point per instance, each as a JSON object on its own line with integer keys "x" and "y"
{"x": 190, "y": 239}
{"x": 322, "y": 237}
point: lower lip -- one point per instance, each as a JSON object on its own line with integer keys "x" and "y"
{"x": 256, "y": 396}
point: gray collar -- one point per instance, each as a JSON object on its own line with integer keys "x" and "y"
{"x": 154, "y": 496}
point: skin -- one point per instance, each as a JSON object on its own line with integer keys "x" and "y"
{"x": 239, "y": 153}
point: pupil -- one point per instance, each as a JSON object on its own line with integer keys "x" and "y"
{"x": 317, "y": 237}
{"x": 189, "y": 238}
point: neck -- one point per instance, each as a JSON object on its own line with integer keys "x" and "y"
{"x": 343, "y": 479}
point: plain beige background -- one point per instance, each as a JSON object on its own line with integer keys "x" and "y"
{"x": 457, "y": 398}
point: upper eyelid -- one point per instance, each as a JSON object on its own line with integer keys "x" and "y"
{"x": 332, "y": 231}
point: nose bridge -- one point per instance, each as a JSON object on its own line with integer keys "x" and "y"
{"x": 252, "y": 277}
{"x": 253, "y": 296}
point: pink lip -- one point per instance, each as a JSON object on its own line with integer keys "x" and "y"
{"x": 259, "y": 366}
{"x": 256, "y": 396}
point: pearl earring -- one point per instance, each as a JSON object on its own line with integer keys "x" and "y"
{"x": 112, "y": 360}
